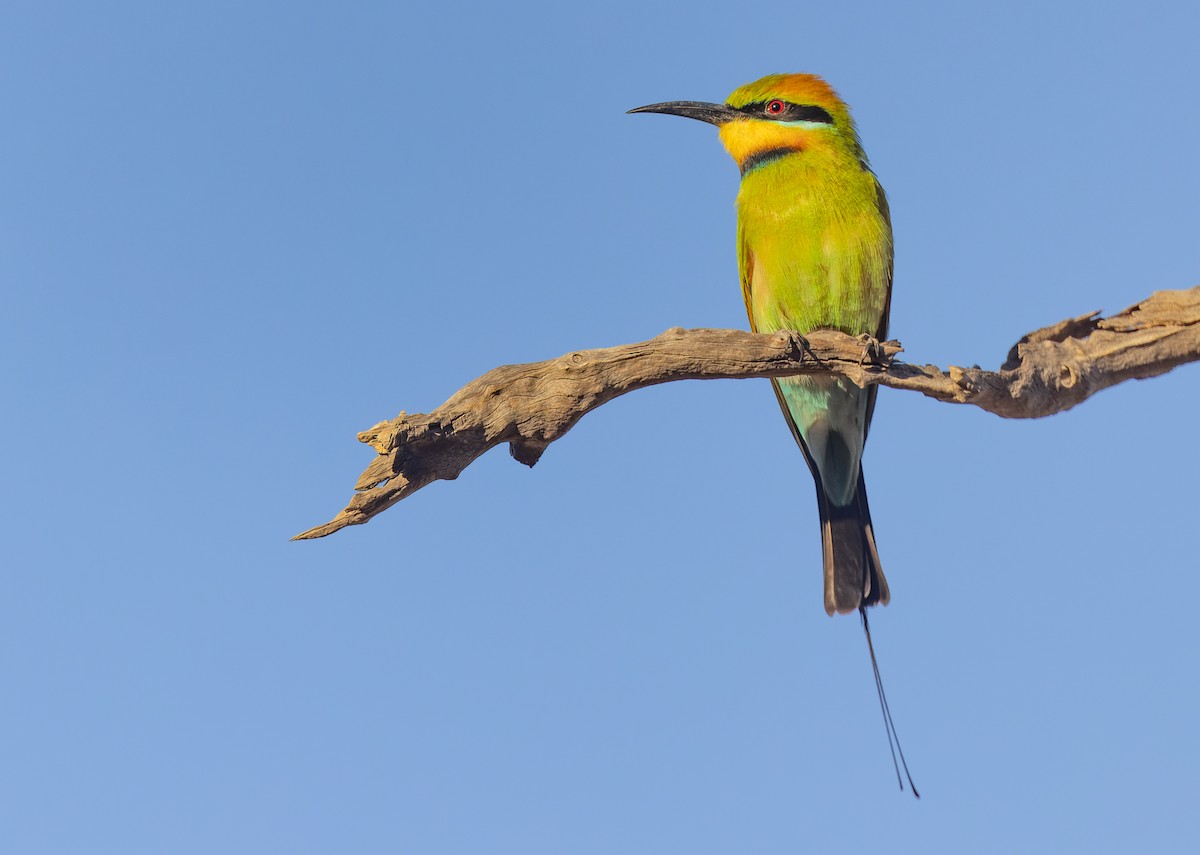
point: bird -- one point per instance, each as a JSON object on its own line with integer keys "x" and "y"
{"x": 814, "y": 242}
{"x": 814, "y": 252}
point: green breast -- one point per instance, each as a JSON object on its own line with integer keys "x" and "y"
{"x": 815, "y": 246}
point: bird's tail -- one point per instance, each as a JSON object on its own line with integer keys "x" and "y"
{"x": 853, "y": 575}
{"x": 854, "y": 580}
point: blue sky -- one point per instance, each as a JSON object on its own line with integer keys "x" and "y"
{"x": 235, "y": 234}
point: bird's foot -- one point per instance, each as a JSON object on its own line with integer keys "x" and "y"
{"x": 798, "y": 347}
{"x": 876, "y": 352}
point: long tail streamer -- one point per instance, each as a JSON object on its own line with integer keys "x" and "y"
{"x": 889, "y": 725}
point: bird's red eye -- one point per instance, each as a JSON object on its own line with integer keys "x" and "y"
{"x": 776, "y": 107}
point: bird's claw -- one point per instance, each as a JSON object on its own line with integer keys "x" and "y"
{"x": 874, "y": 352}
{"x": 798, "y": 347}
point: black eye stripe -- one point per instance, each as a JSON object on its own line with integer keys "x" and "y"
{"x": 791, "y": 113}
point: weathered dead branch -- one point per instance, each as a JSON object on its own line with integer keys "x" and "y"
{"x": 529, "y": 406}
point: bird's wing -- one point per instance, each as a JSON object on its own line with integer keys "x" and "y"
{"x": 746, "y": 268}
{"x": 881, "y": 332}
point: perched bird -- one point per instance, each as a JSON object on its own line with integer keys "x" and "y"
{"x": 814, "y": 251}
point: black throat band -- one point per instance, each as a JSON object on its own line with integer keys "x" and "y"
{"x": 762, "y": 158}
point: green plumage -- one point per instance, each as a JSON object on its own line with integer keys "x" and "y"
{"x": 814, "y": 250}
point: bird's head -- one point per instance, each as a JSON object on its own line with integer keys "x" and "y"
{"x": 777, "y": 115}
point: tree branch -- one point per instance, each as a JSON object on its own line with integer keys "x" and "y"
{"x": 531, "y": 405}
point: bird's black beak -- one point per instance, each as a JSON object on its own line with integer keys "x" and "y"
{"x": 714, "y": 114}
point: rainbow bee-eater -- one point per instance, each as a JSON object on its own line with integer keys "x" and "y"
{"x": 814, "y": 251}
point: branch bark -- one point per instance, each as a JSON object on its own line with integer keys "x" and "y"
{"x": 531, "y": 405}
